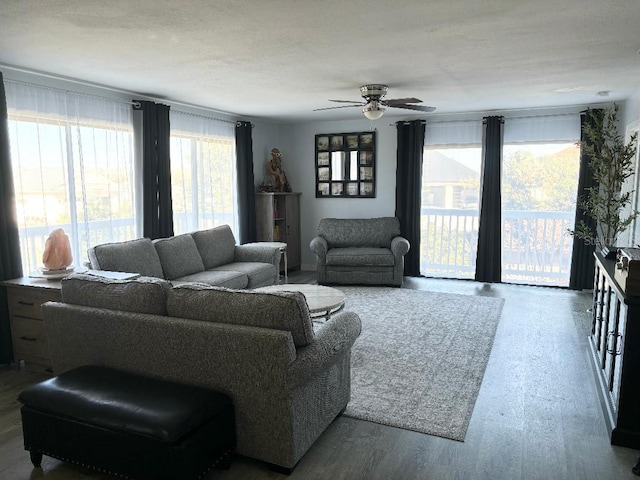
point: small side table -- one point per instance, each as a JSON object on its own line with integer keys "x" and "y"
{"x": 283, "y": 249}
{"x": 323, "y": 301}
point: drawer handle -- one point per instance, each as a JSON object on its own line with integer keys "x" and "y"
{"x": 28, "y": 339}
{"x": 28, "y": 304}
{"x": 613, "y": 336}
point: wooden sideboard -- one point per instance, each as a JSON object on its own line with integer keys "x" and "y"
{"x": 614, "y": 353}
{"x": 25, "y": 297}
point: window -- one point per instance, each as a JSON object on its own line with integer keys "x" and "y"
{"x": 450, "y": 199}
{"x": 72, "y": 159}
{"x": 540, "y": 164}
{"x": 539, "y": 190}
{"x": 203, "y": 173}
{"x": 449, "y": 217}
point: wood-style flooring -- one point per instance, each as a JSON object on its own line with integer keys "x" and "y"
{"x": 537, "y": 415}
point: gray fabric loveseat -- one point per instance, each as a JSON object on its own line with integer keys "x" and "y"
{"x": 287, "y": 382}
{"x": 360, "y": 251}
{"x": 206, "y": 256}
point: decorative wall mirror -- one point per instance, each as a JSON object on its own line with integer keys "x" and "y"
{"x": 345, "y": 165}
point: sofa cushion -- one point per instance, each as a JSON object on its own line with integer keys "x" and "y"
{"x": 357, "y": 257}
{"x": 216, "y": 246}
{"x": 286, "y": 311}
{"x": 135, "y": 256}
{"x": 139, "y": 295}
{"x": 179, "y": 256}
{"x": 216, "y": 278}
{"x": 258, "y": 274}
{"x": 359, "y": 232}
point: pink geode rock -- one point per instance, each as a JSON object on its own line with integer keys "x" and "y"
{"x": 57, "y": 251}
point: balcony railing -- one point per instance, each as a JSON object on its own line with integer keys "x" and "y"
{"x": 536, "y": 249}
{"x": 535, "y": 246}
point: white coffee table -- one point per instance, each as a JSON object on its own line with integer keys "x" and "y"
{"x": 323, "y": 301}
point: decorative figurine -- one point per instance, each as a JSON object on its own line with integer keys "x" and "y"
{"x": 276, "y": 172}
{"x": 57, "y": 251}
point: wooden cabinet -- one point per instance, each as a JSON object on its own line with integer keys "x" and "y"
{"x": 25, "y": 297}
{"x": 278, "y": 220}
{"x": 614, "y": 352}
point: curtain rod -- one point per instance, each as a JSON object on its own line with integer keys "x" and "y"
{"x": 505, "y": 112}
{"x": 407, "y": 122}
{"x": 473, "y": 120}
{"x": 119, "y": 100}
{"x": 235, "y": 122}
{"x": 103, "y": 87}
{"x": 72, "y": 92}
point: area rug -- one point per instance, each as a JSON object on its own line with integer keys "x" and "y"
{"x": 420, "y": 359}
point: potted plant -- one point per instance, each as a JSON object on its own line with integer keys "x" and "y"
{"x": 611, "y": 162}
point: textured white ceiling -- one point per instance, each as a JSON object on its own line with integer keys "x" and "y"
{"x": 283, "y": 58}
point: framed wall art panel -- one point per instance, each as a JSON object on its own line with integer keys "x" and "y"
{"x": 345, "y": 165}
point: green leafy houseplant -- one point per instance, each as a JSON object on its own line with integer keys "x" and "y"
{"x": 611, "y": 162}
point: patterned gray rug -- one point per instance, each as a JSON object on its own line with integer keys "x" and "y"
{"x": 420, "y": 359}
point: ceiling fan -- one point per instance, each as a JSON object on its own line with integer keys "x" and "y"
{"x": 374, "y": 95}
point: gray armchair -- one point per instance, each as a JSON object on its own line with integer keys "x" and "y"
{"x": 360, "y": 251}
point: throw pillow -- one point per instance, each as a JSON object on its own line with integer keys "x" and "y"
{"x": 286, "y": 311}
{"x": 216, "y": 246}
{"x": 179, "y": 256}
{"x": 134, "y": 256}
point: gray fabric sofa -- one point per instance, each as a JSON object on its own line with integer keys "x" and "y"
{"x": 206, "y": 256}
{"x": 360, "y": 251}
{"x": 287, "y": 382}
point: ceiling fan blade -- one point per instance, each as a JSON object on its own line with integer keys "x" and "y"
{"x": 422, "y": 108}
{"x": 333, "y": 108}
{"x": 348, "y": 101}
{"x": 395, "y": 101}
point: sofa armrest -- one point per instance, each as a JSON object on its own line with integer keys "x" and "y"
{"x": 399, "y": 246}
{"x": 319, "y": 246}
{"x": 255, "y": 252}
{"x": 334, "y": 339}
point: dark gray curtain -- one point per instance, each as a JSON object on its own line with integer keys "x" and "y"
{"x": 582, "y": 261}
{"x": 489, "y": 261}
{"x": 246, "y": 187}
{"x": 10, "y": 260}
{"x": 409, "y": 189}
{"x": 156, "y": 171}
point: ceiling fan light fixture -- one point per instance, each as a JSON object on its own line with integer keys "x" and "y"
{"x": 372, "y": 110}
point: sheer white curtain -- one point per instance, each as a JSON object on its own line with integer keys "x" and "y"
{"x": 72, "y": 157}
{"x": 203, "y": 173}
{"x": 542, "y": 128}
{"x": 452, "y": 134}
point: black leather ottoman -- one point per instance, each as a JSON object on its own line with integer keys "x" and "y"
{"x": 128, "y": 425}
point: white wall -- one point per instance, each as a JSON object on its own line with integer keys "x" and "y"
{"x": 632, "y": 109}
{"x": 630, "y": 123}
{"x": 297, "y": 146}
